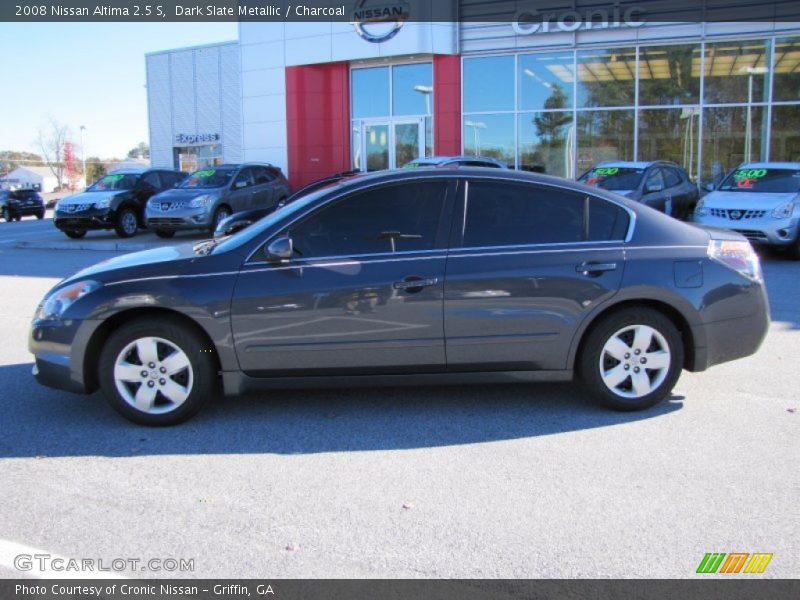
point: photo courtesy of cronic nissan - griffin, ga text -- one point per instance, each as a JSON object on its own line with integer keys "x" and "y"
{"x": 415, "y": 275}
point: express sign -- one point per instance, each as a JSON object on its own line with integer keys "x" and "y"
{"x": 196, "y": 138}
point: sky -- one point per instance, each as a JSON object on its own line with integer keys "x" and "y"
{"x": 90, "y": 74}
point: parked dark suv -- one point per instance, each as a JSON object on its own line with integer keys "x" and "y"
{"x": 410, "y": 276}
{"x": 16, "y": 204}
{"x": 659, "y": 184}
{"x": 115, "y": 201}
{"x": 212, "y": 194}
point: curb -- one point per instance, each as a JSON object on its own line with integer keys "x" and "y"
{"x": 78, "y": 245}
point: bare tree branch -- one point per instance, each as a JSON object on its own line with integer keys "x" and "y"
{"x": 51, "y": 141}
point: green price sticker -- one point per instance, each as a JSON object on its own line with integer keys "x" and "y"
{"x": 113, "y": 178}
{"x": 750, "y": 174}
{"x": 607, "y": 171}
{"x": 205, "y": 173}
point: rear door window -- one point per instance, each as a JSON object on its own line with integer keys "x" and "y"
{"x": 672, "y": 178}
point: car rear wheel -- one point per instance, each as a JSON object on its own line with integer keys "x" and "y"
{"x": 222, "y": 213}
{"x": 40, "y": 215}
{"x": 7, "y": 215}
{"x": 75, "y": 234}
{"x": 155, "y": 372}
{"x": 632, "y": 359}
{"x": 164, "y": 233}
{"x": 126, "y": 223}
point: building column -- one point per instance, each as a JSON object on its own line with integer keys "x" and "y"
{"x": 447, "y": 104}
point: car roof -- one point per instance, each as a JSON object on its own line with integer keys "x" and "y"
{"x": 770, "y": 165}
{"x": 636, "y": 164}
{"x": 129, "y": 171}
{"x": 433, "y": 160}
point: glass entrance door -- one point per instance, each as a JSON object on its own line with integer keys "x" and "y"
{"x": 389, "y": 144}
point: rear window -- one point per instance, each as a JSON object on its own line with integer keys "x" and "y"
{"x": 24, "y": 194}
{"x": 613, "y": 178}
{"x": 775, "y": 181}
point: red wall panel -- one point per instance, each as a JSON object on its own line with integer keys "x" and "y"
{"x": 447, "y": 104}
{"x": 317, "y": 121}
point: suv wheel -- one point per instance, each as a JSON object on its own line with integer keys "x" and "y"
{"x": 155, "y": 372}
{"x": 75, "y": 234}
{"x": 794, "y": 249}
{"x": 222, "y": 213}
{"x": 7, "y": 215}
{"x": 164, "y": 233}
{"x": 126, "y": 223}
{"x": 632, "y": 359}
{"x": 40, "y": 215}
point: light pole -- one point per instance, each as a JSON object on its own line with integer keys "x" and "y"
{"x": 748, "y": 127}
{"x": 476, "y": 138}
{"x": 83, "y": 157}
{"x": 426, "y": 90}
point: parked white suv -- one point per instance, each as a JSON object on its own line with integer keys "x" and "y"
{"x": 759, "y": 200}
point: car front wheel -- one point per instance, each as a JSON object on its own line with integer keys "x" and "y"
{"x": 156, "y": 372}
{"x": 632, "y": 359}
{"x": 126, "y": 223}
{"x": 222, "y": 213}
{"x": 75, "y": 234}
{"x": 165, "y": 233}
{"x": 7, "y": 215}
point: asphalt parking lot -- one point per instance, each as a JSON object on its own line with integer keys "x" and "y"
{"x": 465, "y": 481}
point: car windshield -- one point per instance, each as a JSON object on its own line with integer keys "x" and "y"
{"x": 775, "y": 181}
{"x": 613, "y": 178}
{"x": 118, "y": 181}
{"x": 208, "y": 178}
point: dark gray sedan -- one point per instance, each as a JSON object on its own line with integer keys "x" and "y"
{"x": 410, "y": 276}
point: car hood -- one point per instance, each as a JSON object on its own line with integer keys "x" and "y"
{"x": 185, "y": 194}
{"x": 156, "y": 261}
{"x": 87, "y": 197}
{"x": 747, "y": 200}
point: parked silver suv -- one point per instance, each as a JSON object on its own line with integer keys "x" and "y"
{"x": 212, "y": 194}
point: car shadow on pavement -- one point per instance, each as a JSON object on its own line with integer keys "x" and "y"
{"x": 40, "y": 422}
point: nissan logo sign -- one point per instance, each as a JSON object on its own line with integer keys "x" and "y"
{"x": 530, "y": 21}
{"x": 378, "y": 22}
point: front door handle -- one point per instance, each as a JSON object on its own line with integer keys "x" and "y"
{"x": 414, "y": 284}
{"x": 591, "y": 269}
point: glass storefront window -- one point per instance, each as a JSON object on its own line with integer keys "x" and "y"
{"x": 490, "y": 135}
{"x": 732, "y": 135}
{"x": 604, "y": 135}
{"x": 669, "y": 75}
{"x": 736, "y": 72}
{"x": 546, "y": 81}
{"x": 488, "y": 83}
{"x": 412, "y": 89}
{"x": 787, "y": 70}
{"x": 606, "y": 77}
{"x": 370, "y": 92}
{"x": 785, "y": 140}
{"x": 192, "y": 158}
{"x": 670, "y": 134}
{"x": 545, "y": 142}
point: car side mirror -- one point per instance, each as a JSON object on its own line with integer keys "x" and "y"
{"x": 709, "y": 187}
{"x": 653, "y": 187}
{"x": 239, "y": 185}
{"x": 280, "y": 250}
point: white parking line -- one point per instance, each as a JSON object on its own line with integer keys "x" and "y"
{"x": 35, "y": 562}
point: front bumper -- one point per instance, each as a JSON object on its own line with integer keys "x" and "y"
{"x": 60, "y": 352}
{"x": 184, "y": 218}
{"x": 93, "y": 218}
{"x": 764, "y": 230}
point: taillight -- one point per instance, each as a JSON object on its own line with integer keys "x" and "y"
{"x": 737, "y": 255}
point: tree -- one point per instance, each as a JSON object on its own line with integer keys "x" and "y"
{"x": 141, "y": 150}
{"x": 95, "y": 169}
{"x": 51, "y": 141}
{"x": 11, "y": 159}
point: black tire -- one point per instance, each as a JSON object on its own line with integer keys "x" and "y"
{"x": 793, "y": 251}
{"x": 40, "y": 216}
{"x": 126, "y": 223}
{"x": 223, "y": 212}
{"x": 75, "y": 234}
{"x": 661, "y": 380}
{"x": 7, "y": 215}
{"x": 165, "y": 233}
{"x": 201, "y": 382}
{"x": 18, "y": 218}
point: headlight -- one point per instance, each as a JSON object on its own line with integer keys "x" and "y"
{"x": 55, "y": 304}
{"x": 736, "y": 255}
{"x": 700, "y": 209}
{"x": 105, "y": 203}
{"x": 784, "y": 211}
{"x": 201, "y": 201}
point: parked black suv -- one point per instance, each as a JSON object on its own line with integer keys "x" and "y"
{"x": 16, "y": 204}
{"x": 115, "y": 201}
{"x": 659, "y": 184}
{"x": 413, "y": 275}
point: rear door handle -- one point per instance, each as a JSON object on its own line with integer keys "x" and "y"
{"x": 594, "y": 269}
{"x": 414, "y": 284}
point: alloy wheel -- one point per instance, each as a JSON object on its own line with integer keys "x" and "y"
{"x": 635, "y": 361}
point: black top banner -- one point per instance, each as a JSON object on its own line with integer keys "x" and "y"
{"x": 567, "y": 12}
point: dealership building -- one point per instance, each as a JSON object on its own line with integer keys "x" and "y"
{"x": 558, "y": 97}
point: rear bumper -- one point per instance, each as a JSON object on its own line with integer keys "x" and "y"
{"x": 26, "y": 210}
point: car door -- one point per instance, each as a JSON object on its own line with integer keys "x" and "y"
{"x": 242, "y": 190}
{"x": 146, "y": 188}
{"x": 654, "y": 193}
{"x": 363, "y": 293}
{"x": 263, "y": 192}
{"x": 527, "y": 265}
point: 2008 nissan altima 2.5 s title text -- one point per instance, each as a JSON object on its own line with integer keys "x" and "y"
{"x": 410, "y": 276}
